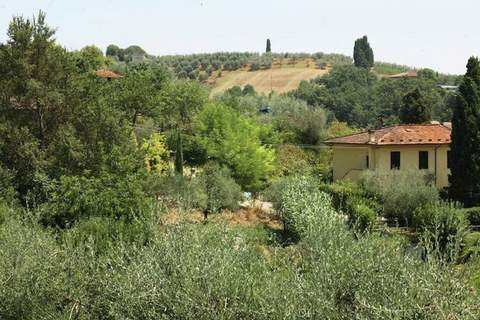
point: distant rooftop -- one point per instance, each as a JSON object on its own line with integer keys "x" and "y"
{"x": 405, "y": 134}
{"x": 107, "y": 74}
{"x": 408, "y": 74}
{"x": 448, "y": 87}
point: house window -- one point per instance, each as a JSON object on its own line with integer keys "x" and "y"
{"x": 395, "y": 160}
{"x": 423, "y": 160}
{"x": 368, "y": 162}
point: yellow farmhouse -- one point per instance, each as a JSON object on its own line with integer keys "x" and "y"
{"x": 424, "y": 146}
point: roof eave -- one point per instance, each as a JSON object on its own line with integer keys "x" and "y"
{"x": 387, "y": 144}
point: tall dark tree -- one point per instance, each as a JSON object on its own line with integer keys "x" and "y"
{"x": 269, "y": 46}
{"x": 179, "y": 154}
{"x": 465, "y": 146}
{"x": 363, "y": 53}
{"x": 415, "y": 108}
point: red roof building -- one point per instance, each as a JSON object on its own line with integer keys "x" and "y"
{"x": 406, "y": 134}
{"x": 402, "y": 147}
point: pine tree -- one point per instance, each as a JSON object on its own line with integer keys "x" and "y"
{"x": 415, "y": 108}
{"x": 465, "y": 146}
{"x": 269, "y": 46}
{"x": 363, "y": 53}
{"x": 179, "y": 155}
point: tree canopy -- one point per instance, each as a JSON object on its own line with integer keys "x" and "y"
{"x": 363, "y": 53}
{"x": 235, "y": 142}
{"x": 465, "y": 146}
{"x": 415, "y": 108}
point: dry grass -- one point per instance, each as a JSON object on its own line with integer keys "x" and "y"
{"x": 284, "y": 76}
{"x": 244, "y": 217}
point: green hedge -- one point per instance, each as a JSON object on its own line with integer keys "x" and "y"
{"x": 473, "y": 216}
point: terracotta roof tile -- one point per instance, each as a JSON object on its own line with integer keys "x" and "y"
{"x": 399, "y": 135}
{"x": 107, "y": 74}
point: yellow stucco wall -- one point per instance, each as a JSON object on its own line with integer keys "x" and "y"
{"x": 348, "y": 160}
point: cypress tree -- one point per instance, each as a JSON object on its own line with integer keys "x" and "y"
{"x": 269, "y": 46}
{"x": 465, "y": 146}
{"x": 363, "y": 53}
{"x": 415, "y": 108}
{"x": 179, "y": 154}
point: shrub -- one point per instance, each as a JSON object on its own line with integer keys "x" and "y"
{"x": 361, "y": 217}
{"x": 350, "y": 199}
{"x": 292, "y": 160}
{"x": 37, "y": 276}
{"x": 103, "y": 234}
{"x": 471, "y": 247}
{"x": 221, "y": 189}
{"x": 341, "y": 192}
{"x": 7, "y": 214}
{"x": 400, "y": 192}
{"x": 473, "y": 216}
{"x": 203, "y": 76}
{"x": 273, "y": 192}
{"x": 179, "y": 192}
{"x": 8, "y": 194}
{"x": 301, "y": 204}
{"x": 442, "y": 228}
{"x": 74, "y": 198}
{"x": 156, "y": 154}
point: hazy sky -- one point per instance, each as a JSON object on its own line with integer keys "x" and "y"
{"x": 438, "y": 34}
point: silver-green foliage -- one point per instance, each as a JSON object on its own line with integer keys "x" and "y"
{"x": 370, "y": 278}
{"x": 217, "y": 271}
{"x": 400, "y": 191}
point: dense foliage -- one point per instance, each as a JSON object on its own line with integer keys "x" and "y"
{"x": 235, "y": 141}
{"x": 415, "y": 108}
{"x": 465, "y": 147}
{"x": 362, "y": 99}
{"x": 401, "y": 192}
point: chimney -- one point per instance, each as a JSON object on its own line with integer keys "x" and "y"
{"x": 371, "y": 136}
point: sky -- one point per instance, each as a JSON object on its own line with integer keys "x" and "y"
{"x": 436, "y": 34}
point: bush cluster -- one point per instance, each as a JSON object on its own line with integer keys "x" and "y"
{"x": 473, "y": 216}
{"x": 212, "y": 190}
{"x": 350, "y": 199}
{"x": 400, "y": 192}
{"x": 442, "y": 227}
{"x": 74, "y": 198}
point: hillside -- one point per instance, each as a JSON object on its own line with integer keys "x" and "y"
{"x": 284, "y": 75}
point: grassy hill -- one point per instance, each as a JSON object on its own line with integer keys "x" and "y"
{"x": 284, "y": 75}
